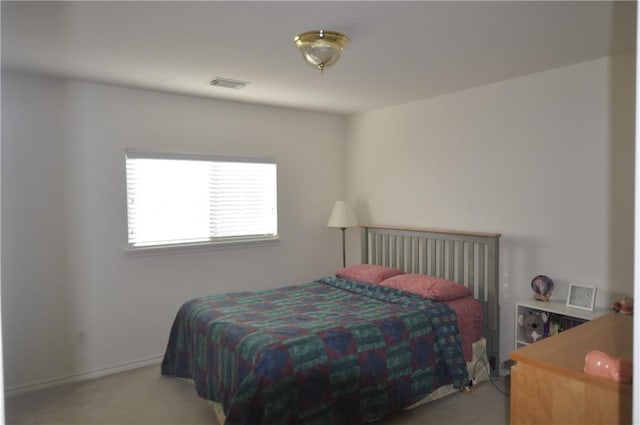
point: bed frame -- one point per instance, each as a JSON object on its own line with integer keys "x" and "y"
{"x": 469, "y": 258}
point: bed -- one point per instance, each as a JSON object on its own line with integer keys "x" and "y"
{"x": 468, "y": 258}
{"x": 343, "y": 349}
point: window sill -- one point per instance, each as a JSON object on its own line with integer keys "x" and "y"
{"x": 200, "y": 246}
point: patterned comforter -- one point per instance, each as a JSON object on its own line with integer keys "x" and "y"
{"x": 333, "y": 351}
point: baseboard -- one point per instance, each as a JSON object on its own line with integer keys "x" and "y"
{"x": 82, "y": 376}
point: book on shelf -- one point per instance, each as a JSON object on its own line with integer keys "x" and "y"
{"x": 557, "y": 323}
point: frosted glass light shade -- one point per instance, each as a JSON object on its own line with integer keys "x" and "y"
{"x": 342, "y": 216}
{"x": 321, "y": 48}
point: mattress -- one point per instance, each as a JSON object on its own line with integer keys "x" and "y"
{"x": 469, "y": 314}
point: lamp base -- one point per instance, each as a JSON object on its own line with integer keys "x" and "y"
{"x": 344, "y": 252}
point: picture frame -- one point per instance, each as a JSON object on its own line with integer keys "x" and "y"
{"x": 581, "y": 297}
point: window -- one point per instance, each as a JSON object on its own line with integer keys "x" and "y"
{"x": 191, "y": 199}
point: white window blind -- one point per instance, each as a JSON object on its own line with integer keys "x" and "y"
{"x": 178, "y": 199}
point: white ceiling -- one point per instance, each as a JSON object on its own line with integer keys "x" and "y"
{"x": 399, "y": 51}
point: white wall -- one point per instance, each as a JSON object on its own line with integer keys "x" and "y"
{"x": 64, "y": 269}
{"x": 546, "y": 160}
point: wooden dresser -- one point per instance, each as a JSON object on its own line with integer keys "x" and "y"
{"x": 548, "y": 385}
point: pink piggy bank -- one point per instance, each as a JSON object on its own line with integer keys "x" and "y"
{"x": 601, "y": 364}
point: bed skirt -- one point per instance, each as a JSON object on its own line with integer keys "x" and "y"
{"x": 478, "y": 369}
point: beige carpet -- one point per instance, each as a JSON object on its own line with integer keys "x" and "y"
{"x": 143, "y": 396}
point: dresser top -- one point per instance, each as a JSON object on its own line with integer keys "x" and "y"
{"x": 565, "y": 352}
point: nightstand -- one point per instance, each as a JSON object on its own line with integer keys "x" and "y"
{"x": 560, "y": 316}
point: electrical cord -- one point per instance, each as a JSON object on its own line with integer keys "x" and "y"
{"x": 491, "y": 379}
{"x": 488, "y": 371}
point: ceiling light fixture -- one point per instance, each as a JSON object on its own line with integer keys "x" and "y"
{"x": 321, "y": 49}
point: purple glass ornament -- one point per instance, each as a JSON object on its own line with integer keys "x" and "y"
{"x": 542, "y": 287}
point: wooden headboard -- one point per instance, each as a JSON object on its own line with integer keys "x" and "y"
{"x": 469, "y": 258}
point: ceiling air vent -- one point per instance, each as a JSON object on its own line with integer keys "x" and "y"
{"x": 228, "y": 83}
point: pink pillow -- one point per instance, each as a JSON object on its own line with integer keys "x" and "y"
{"x": 370, "y": 273}
{"x": 431, "y": 287}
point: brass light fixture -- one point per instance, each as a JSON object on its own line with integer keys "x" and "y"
{"x": 321, "y": 49}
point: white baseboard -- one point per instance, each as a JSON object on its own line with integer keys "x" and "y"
{"x": 82, "y": 376}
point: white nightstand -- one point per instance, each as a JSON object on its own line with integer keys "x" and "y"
{"x": 557, "y": 311}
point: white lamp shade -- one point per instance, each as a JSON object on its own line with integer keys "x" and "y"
{"x": 342, "y": 216}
